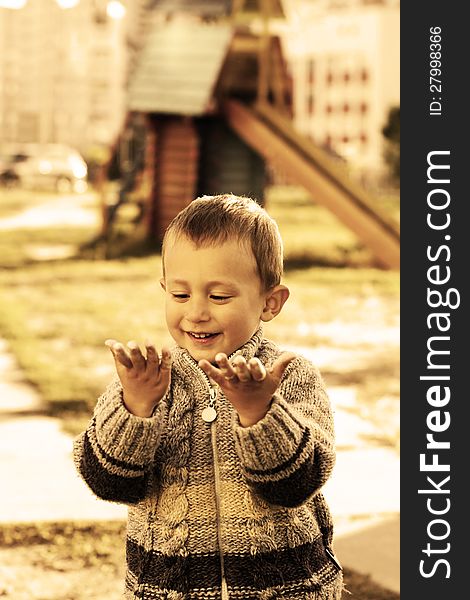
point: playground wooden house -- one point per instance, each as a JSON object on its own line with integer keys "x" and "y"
{"x": 213, "y": 89}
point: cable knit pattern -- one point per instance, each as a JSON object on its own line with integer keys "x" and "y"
{"x": 206, "y": 499}
{"x": 132, "y": 437}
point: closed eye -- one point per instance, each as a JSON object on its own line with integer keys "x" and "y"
{"x": 180, "y": 296}
{"x": 220, "y": 298}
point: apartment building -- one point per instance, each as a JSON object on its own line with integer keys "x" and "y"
{"x": 344, "y": 58}
{"x": 62, "y": 72}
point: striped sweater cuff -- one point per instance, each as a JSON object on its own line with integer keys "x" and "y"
{"x": 275, "y": 446}
{"x": 122, "y": 435}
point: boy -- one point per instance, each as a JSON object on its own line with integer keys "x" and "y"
{"x": 219, "y": 447}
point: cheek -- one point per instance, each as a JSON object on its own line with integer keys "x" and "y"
{"x": 237, "y": 319}
{"x": 171, "y": 313}
{"x": 227, "y": 314}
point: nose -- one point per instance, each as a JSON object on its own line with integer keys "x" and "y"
{"x": 197, "y": 310}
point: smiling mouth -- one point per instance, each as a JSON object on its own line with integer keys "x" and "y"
{"x": 201, "y": 337}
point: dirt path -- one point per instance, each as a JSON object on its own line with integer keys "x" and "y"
{"x": 75, "y": 210}
{"x": 36, "y": 459}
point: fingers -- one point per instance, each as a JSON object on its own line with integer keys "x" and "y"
{"x": 165, "y": 367}
{"x": 138, "y": 361}
{"x": 153, "y": 360}
{"x": 254, "y": 369}
{"x": 133, "y": 358}
{"x": 241, "y": 369}
{"x": 237, "y": 370}
{"x": 119, "y": 354}
{"x": 166, "y": 359}
{"x": 213, "y": 372}
{"x": 225, "y": 366}
{"x": 257, "y": 369}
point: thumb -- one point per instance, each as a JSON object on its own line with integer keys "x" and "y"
{"x": 280, "y": 365}
{"x": 165, "y": 366}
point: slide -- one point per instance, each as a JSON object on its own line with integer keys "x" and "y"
{"x": 274, "y": 137}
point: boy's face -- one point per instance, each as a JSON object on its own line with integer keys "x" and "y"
{"x": 214, "y": 297}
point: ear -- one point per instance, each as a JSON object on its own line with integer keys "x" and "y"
{"x": 163, "y": 284}
{"x": 275, "y": 300}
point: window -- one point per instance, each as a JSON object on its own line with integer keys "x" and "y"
{"x": 310, "y": 71}
{"x": 310, "y": 104}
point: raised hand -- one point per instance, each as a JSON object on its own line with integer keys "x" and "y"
{"x": 249, "y": 386}
{"x": 144, "y": 379}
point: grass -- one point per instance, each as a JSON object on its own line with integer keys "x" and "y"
{"x": 95, "y": 551}
{"x": 56, "y": 317}
{"x": 18, "y": 247}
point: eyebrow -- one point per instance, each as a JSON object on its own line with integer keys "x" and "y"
{"x": 225, "y": 284}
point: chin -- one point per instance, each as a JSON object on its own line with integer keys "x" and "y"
{"x": 201, "y": 354}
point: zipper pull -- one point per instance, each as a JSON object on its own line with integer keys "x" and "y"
{"x": 209, "y": 414}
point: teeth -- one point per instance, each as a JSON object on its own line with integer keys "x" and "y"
{"x": 201, "y": 335}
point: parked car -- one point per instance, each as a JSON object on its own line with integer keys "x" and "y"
{"x": 50, "y": 166}
{"x": 9, "y": 168}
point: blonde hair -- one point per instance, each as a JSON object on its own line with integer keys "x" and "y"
{"x": 213, "y": 220}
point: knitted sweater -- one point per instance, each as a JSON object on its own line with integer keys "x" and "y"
{"x": 218, "y": 511}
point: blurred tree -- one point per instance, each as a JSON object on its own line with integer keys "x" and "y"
{"x": 391, "y": 133}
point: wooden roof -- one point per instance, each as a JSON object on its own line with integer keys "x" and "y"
{"x": 214, "y": 8}
{"x": 178, "y": 67}
{"x": 275, "y": 7}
